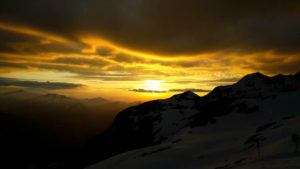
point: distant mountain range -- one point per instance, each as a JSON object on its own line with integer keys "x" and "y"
{"x": 253, "y": 123}
{"x": 39, "y": 129}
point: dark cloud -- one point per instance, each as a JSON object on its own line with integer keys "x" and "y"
{"x": 167, "y": 26}
{"x": 78, "y": 66}
{"x": 131, "y": 59}
{"x": 9, "y": 39}
{"x": 225, "y": 80}
{"x": 119, "y": 78}
{"x": 125, "y": 58}
{"x": 66, "y": 68}
{"x": 104, "y": 51}
{"x": 245, "y": 36}
{"x": 12, "y": 65}
{"x": 218, "y": 81}
{"x": 17, "y": 43}
{"x": 35, "y": 84}
{"x": 100, "y": 63}
{"x": 165, "y": 91}
{"x": 148, "y": 91}
{"x": 277, "y": 66}
{"x": 192, "y": 90}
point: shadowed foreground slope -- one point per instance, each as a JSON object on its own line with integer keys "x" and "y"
{"x": 244, "y": 125}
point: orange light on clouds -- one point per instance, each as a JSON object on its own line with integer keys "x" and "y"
{"x": 95, "y": 41}
{"x": 115, "y": 75}
{"x": 32, "y": 32}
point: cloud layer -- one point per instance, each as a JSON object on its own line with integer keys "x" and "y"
{"x": 170, "y": 90}
{"x": 35, "y": 84}
{"x": 187, "y": 44}
{"x": 165, "y": 26}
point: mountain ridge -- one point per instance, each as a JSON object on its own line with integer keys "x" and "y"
{"x": 155, "y": 122}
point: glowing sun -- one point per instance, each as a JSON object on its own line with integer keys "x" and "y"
{"x": 153, "y": 85}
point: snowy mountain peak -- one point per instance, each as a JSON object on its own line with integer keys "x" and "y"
{"x": 257, "y": 96}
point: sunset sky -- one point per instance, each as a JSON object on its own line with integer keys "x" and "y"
{"x": 138, "y": 50}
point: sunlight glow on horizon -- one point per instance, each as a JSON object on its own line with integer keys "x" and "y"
{"x": 116, "y": 74}
{"x": 153, "y": 85}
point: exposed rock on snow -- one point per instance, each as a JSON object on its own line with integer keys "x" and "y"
{"x": 245, "y": 125}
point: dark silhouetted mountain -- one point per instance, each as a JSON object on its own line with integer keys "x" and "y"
{"x": 254, "y": 100}
{"x": 37, "y": 130}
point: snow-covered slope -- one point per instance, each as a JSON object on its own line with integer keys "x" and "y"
{"x": 249, "y": 124}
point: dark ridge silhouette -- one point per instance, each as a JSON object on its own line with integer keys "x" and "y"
{"x": 42, "y": 130}
{"x": 134, "y": 127}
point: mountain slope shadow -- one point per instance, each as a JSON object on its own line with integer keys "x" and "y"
{"x": 149, "y": 123}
